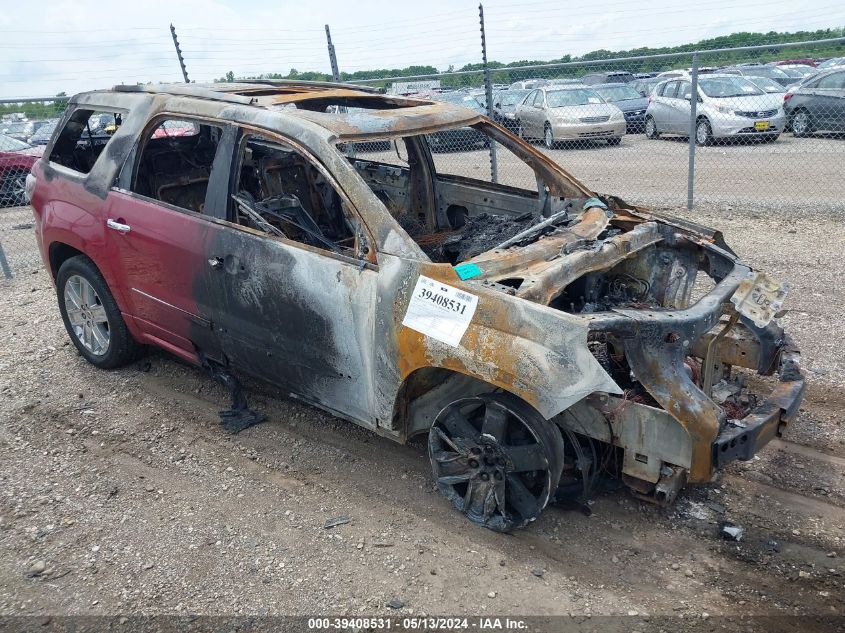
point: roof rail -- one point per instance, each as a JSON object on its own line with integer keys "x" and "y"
{"x": 187, "y": 90}
{"x": 281, "y": 83}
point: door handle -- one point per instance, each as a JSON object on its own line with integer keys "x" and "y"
{"x": 216, "y": 263}
{"x": 117, "y": 226}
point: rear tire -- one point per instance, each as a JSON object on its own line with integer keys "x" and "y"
{"x": 801, "y": 124}
{"x": 651, "y": 128}
{"x": 91, "y": 316}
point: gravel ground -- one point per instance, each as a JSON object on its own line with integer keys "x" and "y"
{"x": 121, "y": 494}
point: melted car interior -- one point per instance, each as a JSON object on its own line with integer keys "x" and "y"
{"x": 281, "y": 192}
{"x": 444, "y": 203}
{"x": 175, "y": 163}
{"x": 83, "y": 137}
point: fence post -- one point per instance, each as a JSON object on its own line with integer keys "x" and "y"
{"x": 693, "y": 106}
{"x": 488, "y": 93}
{"x": 179, "y": 54}
{"x": 332, "y": 55}
{"x": 4, "y": 265}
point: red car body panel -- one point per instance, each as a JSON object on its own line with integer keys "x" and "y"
{"x": 160, "y": 251}
{"x": 155, "y": 265}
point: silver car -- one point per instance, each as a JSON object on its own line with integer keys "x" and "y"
{"x": 562, "y": 113}
{"x": 728, "y": 106}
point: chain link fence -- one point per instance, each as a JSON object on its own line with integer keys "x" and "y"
{"x": 26, "y": 126}
{"x": 766, "y": 127}
{"x": 759, "y": 126}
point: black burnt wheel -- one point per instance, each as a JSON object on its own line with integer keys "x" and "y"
{"x": 496, "y": 459}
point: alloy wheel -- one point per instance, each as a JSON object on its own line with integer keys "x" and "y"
{"x": 87, "y": 315}
{"x": 492, "y": 462}
{"x": 702, "y": 132}
{"x": 17, "y": 190}
{"x": 548, "y": 137}
{"x": 800, "y": 123}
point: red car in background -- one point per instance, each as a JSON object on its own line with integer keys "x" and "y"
{"x": 790, "y": 62}
{"x": 16, "y": 161}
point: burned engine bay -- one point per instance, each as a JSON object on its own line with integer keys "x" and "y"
{"x": 665, "y": 322}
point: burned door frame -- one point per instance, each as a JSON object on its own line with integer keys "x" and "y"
{"x": 297, "y": 316}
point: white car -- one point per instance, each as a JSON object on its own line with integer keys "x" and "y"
{"x": 728, "y": 106}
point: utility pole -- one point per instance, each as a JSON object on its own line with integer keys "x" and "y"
{"x": 179, "y": 54}
{"x": 488, "y": 93}
{"x": 693, "y": 124}
{"x": 332, "y": 56}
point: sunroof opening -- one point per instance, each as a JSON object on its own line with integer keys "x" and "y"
{"x": 345, "y": 105}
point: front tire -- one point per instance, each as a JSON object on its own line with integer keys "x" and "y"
{"x": 91, "y": 316}
{"x": 549, "y": 137}
{"x": 703, "y": 133}
{"x": 651, "y": 129}
{"x": 496, "y": 459}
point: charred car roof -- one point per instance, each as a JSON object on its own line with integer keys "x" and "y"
{"x": 375, "y": 114}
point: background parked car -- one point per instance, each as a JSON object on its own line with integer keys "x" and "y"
{"x": 805, "y": 61}
{"x": 728, "y": 107}
{"x": 818, "y": 104}
{"x": 564, "y": 81}
{"x": 645, "y": 86}
{"x": 761, "y": 70}
{"x": 20, "y": 130}
{"x": 569, "y": 113}
{"x": 799, "y": 71}
{"x": 767, "y": 85}
{"x": 833, "y": 62}
{"x": 43, "y": 134}
{"x": 629, "y": 100}
{"x": 530, "y": 84}
{"x": 504, "y": 107}
{"x": 462, "y": 138}
{"x": 16, "y": 161}
{"x": 609, "y": 77}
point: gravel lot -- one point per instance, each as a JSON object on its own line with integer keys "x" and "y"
{"x": 120, "y": 493}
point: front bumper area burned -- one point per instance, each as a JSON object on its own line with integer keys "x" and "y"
{"x": 661, "y": 346}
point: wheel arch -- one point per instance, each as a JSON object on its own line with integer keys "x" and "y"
{"x": 59, "y": 252}
{"x": 65, "y": 246}
{"x": 540, "y": 377}
{"x": 425, "y": 391}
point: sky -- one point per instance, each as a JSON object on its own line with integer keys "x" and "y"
{"x": 52, "y": 46}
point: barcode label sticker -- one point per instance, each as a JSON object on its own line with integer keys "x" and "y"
{"x": 440, "y": 311}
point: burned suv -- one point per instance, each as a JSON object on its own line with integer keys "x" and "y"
{"x": 540, "y": 334}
